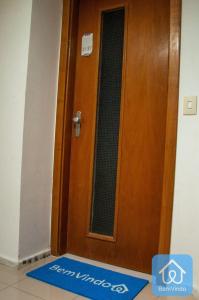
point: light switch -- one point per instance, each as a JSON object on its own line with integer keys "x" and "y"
{"x": 190, "y": 105}
{"x": 87, "y": 44}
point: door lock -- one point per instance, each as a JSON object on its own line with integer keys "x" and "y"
{"x": 77, "y": 123}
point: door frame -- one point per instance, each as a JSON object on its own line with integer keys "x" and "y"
{"x": 64, "y": 128}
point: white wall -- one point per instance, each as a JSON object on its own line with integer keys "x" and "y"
{"x": 29, "y": 53}
{"x": 185, "y": 232}
{"x": 39, "y": 127}
{"x": 15, "y": 18}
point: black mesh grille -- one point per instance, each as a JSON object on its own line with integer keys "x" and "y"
{"x": 108, "y": 122}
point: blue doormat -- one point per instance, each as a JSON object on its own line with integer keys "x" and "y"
{"x": 88, "y": 280}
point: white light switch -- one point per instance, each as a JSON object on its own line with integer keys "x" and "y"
{"x": 190, "y": 105}
{"x": 87, "y": 44}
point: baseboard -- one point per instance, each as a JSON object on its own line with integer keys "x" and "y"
{"x": 25, "y": 260}
{"x": 8, "y": 262}
{"x": 33, "y": 258}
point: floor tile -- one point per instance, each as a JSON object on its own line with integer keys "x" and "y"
{"x": 177, "y": 298}
{"x": 43, "y": 290}
{"x": 6, "y": 268}
{"x": 18, "y": 274}
{"x": 8, "y": 277}
{"x": 146, "y": 294}
{"x": 14, "y": 294}
{"x": 2, "y": 286}
{"x": 33, "y": 289}
{"x": 111, "y": 267}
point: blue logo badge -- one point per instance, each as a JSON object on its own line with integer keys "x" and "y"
{"x": 172, "y": 275}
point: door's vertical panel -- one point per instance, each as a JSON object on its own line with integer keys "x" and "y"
{"x": 144, "y": 126}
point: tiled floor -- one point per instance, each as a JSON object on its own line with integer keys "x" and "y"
{"x": 14, "y": 285}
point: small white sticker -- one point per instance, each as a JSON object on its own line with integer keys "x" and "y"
{"x": 87, "y": 44}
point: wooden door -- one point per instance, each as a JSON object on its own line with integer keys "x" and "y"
{"x": 131, "y": 237}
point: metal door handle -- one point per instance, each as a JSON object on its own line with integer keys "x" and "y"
{"x": 77, "y": 123}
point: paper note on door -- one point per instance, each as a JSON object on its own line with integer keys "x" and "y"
{"x": 87, "y": 44}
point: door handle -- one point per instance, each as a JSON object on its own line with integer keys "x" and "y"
{"x": 77, "y": 123}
